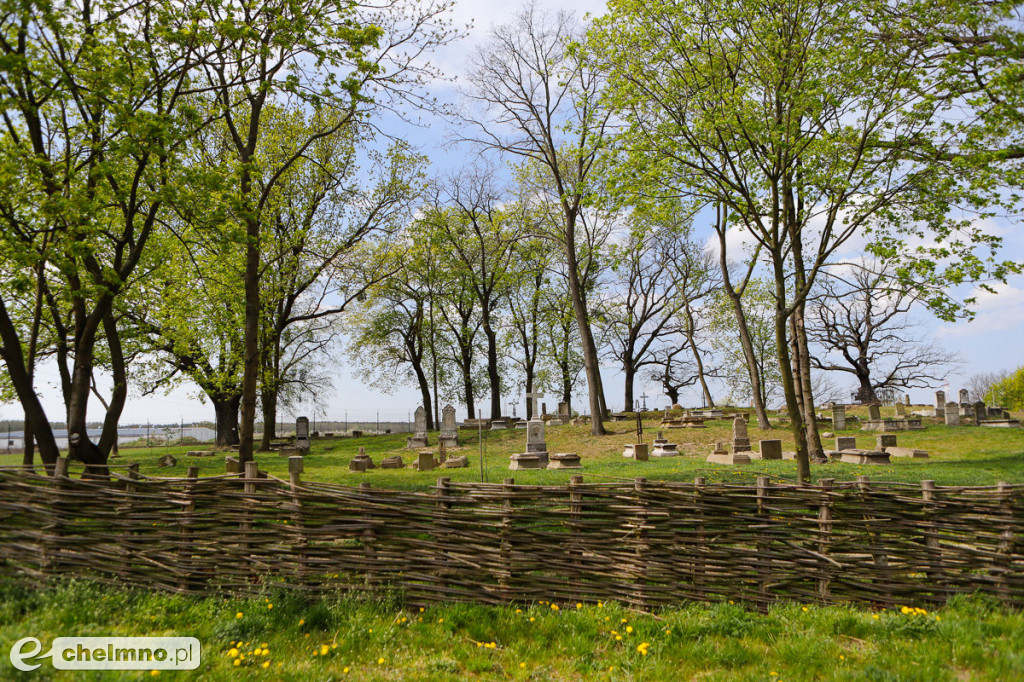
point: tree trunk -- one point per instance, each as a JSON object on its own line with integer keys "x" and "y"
{"x": 250, "y": 344}
{"x": 268, "y": 399}
{"x": 226, "y": 411}
{"x": 421, "y": 379}
{"x": 493, "y": 376}
{"x": 815, "y": 451}
{"x": 80, "y": 446}
{"x": 803, "y": 465}
{"x": 119, "y": 391}
{"x": 629, "y": 374}
{"x": 865, "y": 391}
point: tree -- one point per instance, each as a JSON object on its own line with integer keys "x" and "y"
{"x": 697, "y": 281}
{"x": 1009, "y": 391}
{"x": 982, "y": 385}
{"x": 734, "y": 368}
{"x": 539, "y": 104}
{"x": 863, "y": 324}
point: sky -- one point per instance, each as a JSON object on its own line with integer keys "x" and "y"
{"x": 988, "y": 343}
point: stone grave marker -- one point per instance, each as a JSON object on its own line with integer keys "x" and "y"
{"x": 425, "y": 460}
{"x": 302, "y": 434}
{"x": 874, "y": 412}
{"x": 846, "y": 443}
{"x": 460, "y": 462}
{"x": 740, "y": 439}
{"x": 952, "y": 414}
{"x": 564, "y": 460}
{"x": 449, "y": 437}
{"x": 392, "y": 462}
{"x": 564, "y": 413}
{"x": 534, "y": 399}
{"x": 901, "y": 409}
{"x": 419, "y": 437}
{"x": 980, "y": 411}
{"x": 965, "y": 396}
{"x": 885, "y": 440}
{"x": 940, "y": 404}
{"x": 771, "y": 449}
{"x": 839, "y": 417}
{"x": 167, "y": 461}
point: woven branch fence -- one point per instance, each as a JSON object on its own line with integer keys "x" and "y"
{"x": 644, "y": 543}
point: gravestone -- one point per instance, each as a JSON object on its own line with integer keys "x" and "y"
{"x": 357, "y": 464}
{"x": 980, "y": 411}
{"x": 894, "y": 451}
{"x": 740, "y": 439}
{"x": 232, "y": 465}
{"x": 525, "y": 460}
{"x": 449, "y": 429}
{"x": 874, "y": 412}
{"x": 419, "y": 437}
{"x": 302, "y": 433}
{"x": 662, "y": 448}
{"x": 534, "y": 399}
{"x": 361, "y": 462}
{"x": 771, "y": 449}
{"x": 952, "y": 414}
{"x": 940, "y": 404}
{"x": 564, "y": 413}
{"x": 499, "y": 424}
{"x": 885, "y": 440}
{"x": 906, "y": 400}
{"x": 839, "y": 417}
{"x": 861, "y": 457}
{"x": 901, "y": 409}
{"x": 565, "y": 460}
{"x": 965, "y": 396}
{"x": 637, "y": 451}
{"x": 846, "y": 443}
{"x": 460, "y": 462}
{"x": 424, "y": 460}
{"x": 535, "y": 443}
{"x": 721, "y": 454}
{"x": 392, "y": 462}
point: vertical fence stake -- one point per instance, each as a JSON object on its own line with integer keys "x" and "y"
{"x": 640, "y": 544}
{"x": 825, "y": 537}
{"x": 185, "y": 520}
{"x": 576, "y": 537}
{"x": 700, "y": 552}
{"x": 763, "y": 558}
{"x": 443, "y": 532}
{"x": 505, "y": 548}
{"x": 933, "y": 563}
{"x": 300, "y": 542}
{"x": 251, "y": 472}
{"x": 1006, "y": 541}
{"x": 54, "y": 530}
{"x": 369, "y": 551}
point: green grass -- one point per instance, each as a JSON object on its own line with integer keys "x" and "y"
{"x": 972, "y": 639}
{"x": 959, "y": 456}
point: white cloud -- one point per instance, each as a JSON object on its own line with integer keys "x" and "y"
{"x": 996, "y": 312}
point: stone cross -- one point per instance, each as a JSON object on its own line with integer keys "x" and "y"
{"x": 535, "y": 399}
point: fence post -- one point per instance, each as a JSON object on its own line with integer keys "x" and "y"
{"x": 700, "y": 551}
{"x": 185, "y": 530}
{"x": 251, "y": 472}
{"x": 764, "y": 520}
{"x": 933, "y": 562}
{"x": 54, "y": 529}
{"x": 875, "y": 544}
{"x": 505, "y": 551}
{"x": 825, "y": 538}
{"x": 298, "y": 528}
{"x": 442, "y": 507}
{"x": 575, "y": 536}
{"x": 1006, "y": 541}
{"x": 369, "y": 551}
{"x": 640, "y": 545}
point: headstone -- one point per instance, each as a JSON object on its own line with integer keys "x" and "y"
{"x": 885, "y": 440}
{"x": 425, "y": 460}
{"x": 362, "y": 461}
{"x": 564, "y": 413}
{"x": 874, "y": 412}
{"x": 357, "y": 465}
{"x": 740, "y": 439}
{"x": 302, "y": 433}
{"x": 952, "y": 414}
{"x": 906, "y": 452}
{"x": 861, "y": 457}
{"x": 200, "y": 453}
{"x": 980, "y": 412}
{"x": 662, "y": 448}
{"x": 449, "y": 429}
{"x": 940, "y": 404}
{"x": 771, "y": 449}
{"x": 637, "y": 451}
{"x": 525, "y": 460}
{"x": 839, "y": 417}
{"x": 356, "y": 433}
{"x": 565, "y": 460}
{"x": 455, "y": 463}
{"x": 291, "y": 452}
{"x": 966, "y": 414}
{"x": 521, "y": 424}
{"x": 901, "y": 409}
{"x": 535, "y": 443}
{"x": 721, "y": 455}
{"x": 419, "y": 437}
{"x": 906, "y": 400}
{"x": 965, "y": 396}
{"x": 392, "y": 462}
{"x": 846, "y": 443}
{"x": 498, "y": 425}
{"x": 167, "y": 461}
{"x": 543, "y": 409}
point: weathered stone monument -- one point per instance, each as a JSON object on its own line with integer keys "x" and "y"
{"x": 460, "y": 462}
{"x": 499, "y": 424}
{"x": 940, "y": 404}
{"x": 952, "y": 414}
{"x": 424, "y": 460}
{"x": 874, "y": 412}
{"x": 861, "y": 456}
{"x": 449, "y": 437}
{"x": 740, "y": 439}
{"x": 167, "y": 461}
{"x": 419, "y": 437}
{"x": 361, "y": 462}
{"x": 534, "y": 400}
{"x": 965, "y": 396}
{"x": 302, "y": 434}
{"x": 901, "y": 409}
{"x": 980, "y": 412}
{"x": 392, "y": 462}
{"x": 721, "y": 454}
{"x": 846, "y": 443}
{"x": 536, "y": 455}
{"x": 663, "y": 448}
{"x": 232, "y": 465}
{"x": 887, "y": 444}
{"x": 564, "y": 415}
{"x": 565, "y": 460}
{"x": 885, "y": 440}
{"x": 770, "y": 449}
{"x": 637, "y": 451}
{"x": 839, "y": 417}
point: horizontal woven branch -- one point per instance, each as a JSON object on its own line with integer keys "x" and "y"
{"x": 645, "y": 544}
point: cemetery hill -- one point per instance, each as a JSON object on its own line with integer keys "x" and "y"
{"x": 422, "y": 340}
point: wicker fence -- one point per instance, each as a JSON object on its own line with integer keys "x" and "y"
{"x": 642, "y": 543}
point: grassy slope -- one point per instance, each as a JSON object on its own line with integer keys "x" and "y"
{"x": 959, "y": 456}
{"x": 970, "y": 639}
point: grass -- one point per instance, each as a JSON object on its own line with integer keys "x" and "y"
{"x": 960, "y": 455}
{"x": 348, "y": 638}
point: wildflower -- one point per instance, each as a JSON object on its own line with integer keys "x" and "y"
{"x": 629, "y": 629}
{"x": 841, "y": 657}
{"x": 522, "y": 665}
{"x": 324, "y": 649}
{"x": 579, "y": 605}
{"x": 154, "y": 673}
{"x": 624, "y": 620}
{"x": 345, "y": 670}
{"x": 302, "y": 621}
{"x": 421, "y": 609}
{"x": 238, "y": 661}
{"x": 804, "y": 608}
{"x": 531, "y": 619}
{"x": 554, "y": 607}
{"x": 874, "y": 616}
{"x": 270, "y": 606}
{"x": 519, "y": 610}
{"x": 440, "y": 620}
{"x": 642, "y": 648}
{"x": 905, "y": 610}
{"x": 266, "y": 664}
{"x": 257, "y": 652}
{"x": 615, "y": 632}
{"x": 600, "y": 605}
{"x": 233, "y": 653}
{"x": 380, "y": 661}
{"x": 238, "y": 615}
{"x": 618, "y": 638}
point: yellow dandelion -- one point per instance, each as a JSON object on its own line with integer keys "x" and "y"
{"x": 334, "y": 646}
{"x": 905, "y": 610}
{"x": 615, "y": 632}
{"x": 522, "y": 665}
{"x": 804, "y": 609}
{"x": 841, "y": 657}
{"x": 421, "y": 609}
{"x": 238, "y": 661}
{"x": 324, "y": 649}
{"x": 531, "y": 619}
{"x": 618, "y": 638}
{"x": 937, "y": 618}
{"x": 380, "y": 661}
{"x": 554, "y": 607}
{"x": 519, "y": 610}
{"x": 345, "y": 670}
{"x": 440, "y": 620}
{"x": 624, "y": 620}
{"x": 479, "y": 644}
{"x": 874, "y": 616}
{"x": 266, "y": 664}
{"x": 302, "y": 621}
{"x": 600, "y": 605}
{"x": 233, "y": 653}
{"x": 154, "y": 673}
{"x": 238, "y": 615}
{"x": 270, "y": 606}
{"x": 579, "y": 605}
{"x": 257, "y": 652}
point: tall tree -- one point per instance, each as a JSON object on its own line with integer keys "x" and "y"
{"x": 538, "y": 102}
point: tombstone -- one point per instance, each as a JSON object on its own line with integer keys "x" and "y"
{"x": 543, "y": 410}
{"x": 662, "y": 448}
{"x": 362, "y": 461}
{"x": 637, "y": 451}
{"x": 564, "y": 413}
{"x": 356, "y": 433}
{"x": 952, "y": 414}
{"x": 940, "y": 404}
{"x": 291, "y": 452}
{"x": 721, "y": 454}
{"x": 521, "y": 424}
{"x": 565, "y": 460}
{"x": 419, "y": 438}
{"x": 901, "y": 409}
{"x": 966, "y": 414}
{"x": 771, "y": 449}
{"x": 424, "y": 460}
{"x": 965, "y": 396}
{"x": 525, "y": 460}
{"x": 357, "y": 464}
{"x": 499, "y": 424}
{"x": 874, "y": 412}
{"x": 535, "y": 443}
{"x": 893, "y": 451}
{"x": 839, "y": 417}
{"x": 861, "y": 457}
{"x": 740, "y": 439}
{"x": 167, "y": 461}
{"x": 392, "y": 462}
{"x": 200, "y": 453}
{"x": 846, "y": 443}
{"x": 449, "y": 429}
{"x": 455, "y": 463}
{"x": 232, "y": 465}
{"x": 302, "y": 433}
{"x": 885, "y": 440}
{"x": 980, "y": 412}
{"x": 906, "y": 400}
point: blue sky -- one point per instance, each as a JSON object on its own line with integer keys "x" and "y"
{"x": 989, "y": 343}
